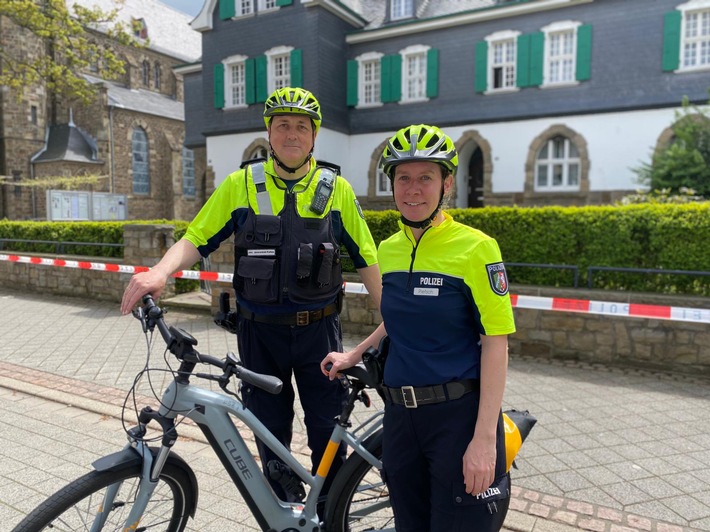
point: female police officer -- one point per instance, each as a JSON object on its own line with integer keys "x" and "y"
{"x": 288, "y": 216}
{"x": 447, "y": 313}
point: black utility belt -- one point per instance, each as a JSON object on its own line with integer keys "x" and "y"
{"x": 415, "y": 396}
{"x": 305, "y": 317}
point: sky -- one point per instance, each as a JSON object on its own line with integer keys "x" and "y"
{"x": 191, "y": 7}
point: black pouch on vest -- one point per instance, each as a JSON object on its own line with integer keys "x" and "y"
{"x": 259, "y": 279}
{"x": 325, "y": 269}
{"x": 305, "y": 263}
{"x": 266, "y": 231}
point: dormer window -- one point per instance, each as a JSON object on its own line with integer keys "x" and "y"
{"x": 401, "y": 9}
{"x": 140, "y": 28}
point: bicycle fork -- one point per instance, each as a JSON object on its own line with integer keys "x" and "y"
{"x": 150, "y": 470}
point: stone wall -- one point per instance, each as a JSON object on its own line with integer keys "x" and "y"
{"x": 144, "y": 246}
{"x": 682, "y": 347}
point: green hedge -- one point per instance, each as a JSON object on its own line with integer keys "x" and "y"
{"x": 649, "y": 236}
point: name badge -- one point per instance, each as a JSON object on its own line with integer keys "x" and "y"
{"x": 419, "y": 291}
{"x": 261, "y": 252}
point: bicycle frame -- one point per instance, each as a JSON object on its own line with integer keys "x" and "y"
{"x": 211, "y": 411}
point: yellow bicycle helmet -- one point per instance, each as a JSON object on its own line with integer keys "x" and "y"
{"x": 419, "y": 143}
{"x": 293, "y": 100}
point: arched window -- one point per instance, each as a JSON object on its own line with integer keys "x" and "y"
{"x": 146, "y": 73}
{"x": 141, "y": 167}
{"x": 156, "y": 76}
{"x": 557, "y": 166}
{"x": 188, "y": 172}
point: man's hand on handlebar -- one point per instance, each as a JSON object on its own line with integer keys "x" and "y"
{"x": 150, "y": 282}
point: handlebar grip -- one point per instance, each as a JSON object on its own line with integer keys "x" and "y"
{"x": 268, "y": 383}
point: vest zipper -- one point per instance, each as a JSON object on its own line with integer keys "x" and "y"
{"x": 415, "y": 246}
{"x": 289, "y": 201}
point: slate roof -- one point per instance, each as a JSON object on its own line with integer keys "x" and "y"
{"x": 66, "y": 142}
{"x": 169, "y": 30}
{"x": 374, "y": 11}
{"x": 142, "y": 101}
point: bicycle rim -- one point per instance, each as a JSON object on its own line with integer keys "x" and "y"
{"x": 361, "y": 499}
{"x": 74, "y": 507}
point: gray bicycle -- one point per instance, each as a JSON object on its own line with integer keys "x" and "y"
{"x": 145, "y": 487}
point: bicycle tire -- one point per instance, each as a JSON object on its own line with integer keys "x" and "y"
{"x": 358, "y": 499}
{"x": 75, "y": 505}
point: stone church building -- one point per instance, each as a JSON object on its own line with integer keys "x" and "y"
{"x": 132, "y": 134}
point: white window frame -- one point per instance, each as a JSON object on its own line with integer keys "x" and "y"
{"x": 264, "y": 5}
{"x": 693, "y": 8}
{"x": 243, "y": 8}
{"x": 510, "y": 38}
{"x": 550, "y": 162}
{"x": 239, "y": 62}
{"x": 188, "y": 173}
{"x": 383, "y": 184}
{"x": 560, "y": 29}
{"x": 414, "y": 83}
{"x": 274, "y": 58}
{"x": 369, "y": 79}
{"x": 401, "y": 9}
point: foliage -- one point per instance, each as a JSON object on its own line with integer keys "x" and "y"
{"x": 56, "y": 182}
{"x": 69, "y": 46}
{"x": 685, "y": 163}
{"x": 663, "y": 195}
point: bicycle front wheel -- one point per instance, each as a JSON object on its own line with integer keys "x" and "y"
{"x": 75, "y": 506}
{"x": 358, "y": 499}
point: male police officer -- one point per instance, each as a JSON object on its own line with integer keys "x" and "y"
{"x": 289, "y": 217}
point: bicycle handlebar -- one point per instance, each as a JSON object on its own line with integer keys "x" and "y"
{"x": 181, "y": 344}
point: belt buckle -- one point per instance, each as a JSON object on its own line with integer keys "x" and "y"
{"x": 303, "y": 317}
{"x": 411, "y": 401}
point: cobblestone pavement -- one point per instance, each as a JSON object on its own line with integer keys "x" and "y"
{"x": 613, "y": 450}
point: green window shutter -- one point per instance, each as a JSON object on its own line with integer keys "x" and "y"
{"x": 297, "y": 68}
{"x": 352, "y": 97}
{"x": 218, "y": 86}
{"x": 385, "y": 76}
{"x": 522, "y": 64}
{"x": 261, "y": 79}
{"x": 226, "y": 9}
{"x": 250, "y": 81}
{"x": 537, "y": 58}
{"x": 671, "y": 40}
{"x": 281, "y": 3}
{"x": 432, "y": 73}
{"x": 481, "y": 72}
{"x": 584, "y": 53}
{"x": 396, "y": 78}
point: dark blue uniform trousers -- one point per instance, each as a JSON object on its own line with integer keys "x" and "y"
{"x": 423, "y": 452}
{"x": 285, "y": 351}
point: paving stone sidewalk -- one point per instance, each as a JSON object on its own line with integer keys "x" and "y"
{"x": 614, "y": 450}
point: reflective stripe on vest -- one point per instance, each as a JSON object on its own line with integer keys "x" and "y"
{"x": 258, "y": 177}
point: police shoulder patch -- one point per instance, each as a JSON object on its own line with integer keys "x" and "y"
{"x": 497, "y": 278}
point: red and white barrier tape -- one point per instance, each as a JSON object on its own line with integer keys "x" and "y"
{"x": 605, "y": 308}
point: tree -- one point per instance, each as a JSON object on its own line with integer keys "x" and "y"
{"x": 685, "y": 162}
{"x": 69, "y": 47}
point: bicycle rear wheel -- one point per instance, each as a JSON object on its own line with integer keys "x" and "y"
{"x": 358, "y": 498}
{"x": 74, "y": 507}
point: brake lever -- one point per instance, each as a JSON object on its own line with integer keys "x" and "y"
{"x": 139, "y": 314}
